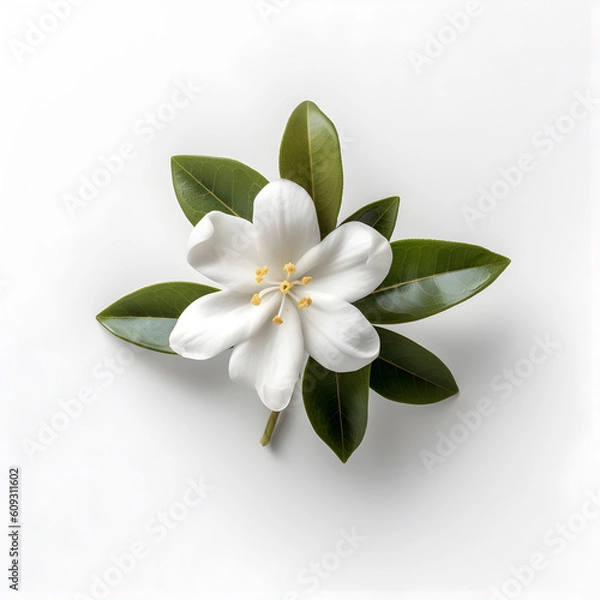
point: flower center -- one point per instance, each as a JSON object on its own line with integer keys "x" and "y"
{"x": 285, "y": 287}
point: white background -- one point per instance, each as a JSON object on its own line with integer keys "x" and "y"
{"x": 433, "y": 137}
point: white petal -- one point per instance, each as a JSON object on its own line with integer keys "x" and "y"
{"x": 218, "y": 321}
{"x": 286, "y": 224}
{"x": 349, "y": 263}
{"x": 271, "y": 361}
{"x": 337, "y": 335}
{"x": 222, "y": 247}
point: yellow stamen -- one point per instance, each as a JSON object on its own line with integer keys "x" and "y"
{"x": 306, "y": 280}
{"x": 260, "y": 274}
{"x": 290, "y": 268}
{"x": 255, "y": 300}
{"x": 277, "y": 320}
{"x": 304, "y": 303}
{"x": 285, "y": 286}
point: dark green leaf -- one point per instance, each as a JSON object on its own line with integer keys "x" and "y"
{"x": 147, "y": 317}
{"x": 407, "y": 372}
{"x": 380, "y": 215}
{"x": 337, "y": 406}
{"x": 429, "y": 276}
{"x": 206, "y": 183}
{"x": 310, "y": 155}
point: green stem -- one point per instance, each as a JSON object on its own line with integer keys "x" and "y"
{"x": 266, "y": 438}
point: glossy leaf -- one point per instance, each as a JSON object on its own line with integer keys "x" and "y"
{"x": 206, "y": 183}
{"x": 310, "y": 155}
{"x": 380, "y": 215}
{"x": 147, "y": 317}
{"x": 337, "y": 406}
{"x": 429, "y": 276}
{"x": 406, "y": 372}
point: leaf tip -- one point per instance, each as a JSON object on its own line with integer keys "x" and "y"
{"x": 503, "y": 262}
{"x": 343, "y": 457}
{"x": 103, "y": 320}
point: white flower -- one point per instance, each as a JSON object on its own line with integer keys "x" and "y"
{"x": 285, "y": 293}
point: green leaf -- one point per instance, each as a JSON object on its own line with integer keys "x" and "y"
{"x": 310, "y": 155}
{"x": 206, "y": 183}
{"x": 407, "y": 372}
{"x": 380, "y": 215}
{"x": 429, "y": 276}
{"x": 337, "y": 406}
{"x": 147, "y": 317}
